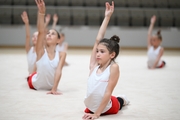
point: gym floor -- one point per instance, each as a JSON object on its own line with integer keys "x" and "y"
{"x": 153, "y": 94}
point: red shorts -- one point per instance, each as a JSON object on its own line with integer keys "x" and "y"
{"x": 162, "y": 65}
{"x": 113, "y": 110}
{"x": 29, "y": 80}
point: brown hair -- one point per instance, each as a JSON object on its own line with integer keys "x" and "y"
{"x": 62, "y": 34}
{"x": 58, "y": 35}
{"x": 159, "y": 36}
{"x": 112, "y": 44}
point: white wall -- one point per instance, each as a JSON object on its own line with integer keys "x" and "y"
{"x": 85, "y": 36}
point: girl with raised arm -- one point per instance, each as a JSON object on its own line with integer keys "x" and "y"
{"x": 155, "y": 51}
{"x": 30, "y": 50}
{"x": 49, "y": 61}
{"x": 62, "y": 46}
{"x": 104, "y": 74}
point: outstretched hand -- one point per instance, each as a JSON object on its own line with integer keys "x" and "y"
{"x": 54, "y": 92}
{"x": 153, "y": 19}
{"x": 109, "y": 9}
{"x": 25, "y": 17}
{"x": 55, "y": 18}
{"x": 89, "y": 116}
{"x": 41, "y": 6}
{"x": 47, "y": 18}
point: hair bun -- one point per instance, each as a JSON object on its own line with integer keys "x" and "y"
{"x": 159, "y": 32}
{"x": 115, "y": 38}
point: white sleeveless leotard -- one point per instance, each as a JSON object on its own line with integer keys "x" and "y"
{"x": 44, "y": 78}
{"x": 60, "y": 48}
{"x": 31, "y": 59}
{"x": 152, "y": 56}
{"x": 96, "y": 88}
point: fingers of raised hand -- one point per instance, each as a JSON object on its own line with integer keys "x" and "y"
{"x": 48, "y": 17}
{"x": 38, "y": 2}
{"x": 55, "y": 15}
{"x": 107, "y": 6}
{"x": 112, "y": 6}
{"x": 24, "y": 14}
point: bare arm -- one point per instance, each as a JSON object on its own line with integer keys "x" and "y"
{"x": 108, "y": 12}
{"x": 158, "y": 58}
{"x": 114, "y": 76}
{"x": 26, "y": 22}
{"x": 55, "y": 20}
{"x": 41, "y": 28}
{"x": 151, "y": 26}
{"x": 62, "y": 57}
{"x": 47, "y": 20}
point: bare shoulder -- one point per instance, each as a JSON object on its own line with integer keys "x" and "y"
{"x": 115, "y": 67}
{"x": 62, "y": 53}
{"x": 92, "y": 68}
{"x": 65, "y": 43}
{"x": 162, "y": 48}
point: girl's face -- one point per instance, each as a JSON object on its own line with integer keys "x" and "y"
{"x": 102, "y": 54}
{"x": 155, "y": 41}
{"x": 34, "y": 38}
{"x": 52, "y": 37}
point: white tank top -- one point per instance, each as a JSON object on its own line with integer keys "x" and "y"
{"x": 31, "y": 59}
{"x": 96, "y": 88}
{"x": 44, "y": 79}
{"x": 152, "y": 56}
{"x": 60, "y": 47}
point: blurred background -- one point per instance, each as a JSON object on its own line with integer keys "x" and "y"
{"x": 80, "y": 21}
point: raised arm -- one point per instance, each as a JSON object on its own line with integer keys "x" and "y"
{"x": 47, "y": 20}
{"x": 108, "y": 12}
{"x": 55, "y": 20}
{"x": 151, "y": 26}
{"x": 26, "y": 22}
{"x": 41, "y": 28}
{"x": 113, "y": 79}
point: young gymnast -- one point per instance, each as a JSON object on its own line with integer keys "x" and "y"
{"x": 49, "y": 61}
{"x": 104, "y": 74}
{"x": 62, "y": 46}
{"x": 31, "y": 50}
{"x": 155, "y": 51}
